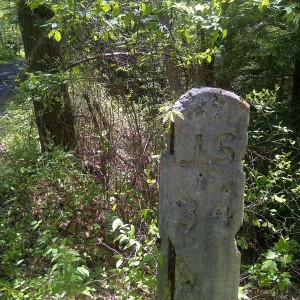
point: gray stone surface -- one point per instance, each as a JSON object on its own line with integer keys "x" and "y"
{"x": 201, "y": 197}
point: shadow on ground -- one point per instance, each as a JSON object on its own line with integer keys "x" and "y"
{"x": 8, "y": 74}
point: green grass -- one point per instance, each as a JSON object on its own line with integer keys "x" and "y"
{"x": 6, "y": 55}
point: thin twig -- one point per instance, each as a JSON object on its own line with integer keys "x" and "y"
{"x": 108, "y": 247}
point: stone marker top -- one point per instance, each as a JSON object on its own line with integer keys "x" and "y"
{"x": 194, "y": 92}
{"x": 218, "y": 117}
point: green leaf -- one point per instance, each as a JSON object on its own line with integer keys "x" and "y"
{"x": 134, "y": 263}
{"x": 286, "y": 259}
{"x": 286, "y": 275}
{"x": 242, "y": 295}
{"x": 123, "y": 239}
{"x": 151, "y": 181}
{"x": 199, "y": 7}
{"x": 127, "y": 19}
{"x": 172, "y": 118}
{"x": 263, "y": 4}
{"x": 19, "y": 261}
{"x": 280, "y": 199}
{"x": 257, "y": 222}
{"x": 178, "y": 114}
{"x": 264, "y": 281}
{"x": 215, "y": 36}
{"x": 269, "y": 265}
{"x": 119, "y": 263}
{"x": 166, "y": 117}
{"x": 282, "y": 245}
{"x": 116, "y": 224}
{"x": 57, "y": 35}
{"x": 105, "y": 7}
{"x": 54, "y": 267}
{"x": 296, "y": 190}
{"x": 144, "y": 8}
{"x": 283, "y": 283}
{"x": 132, "y": 231}
{"x": 116, "y": 10}
{"x": 271, "y": 255}
{"x": 34, "y": 4}
{"x": 56, "y": 256}
{"x": 147, "y": 257}
{"x": 187, "y": 36}
{"x": 83, "y": 271}
{"x": 105, "y": 36}
{"x": 87, "y": 292}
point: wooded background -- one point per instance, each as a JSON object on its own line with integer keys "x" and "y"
{"x": 81, "y": 139}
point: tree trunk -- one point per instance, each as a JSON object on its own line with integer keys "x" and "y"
{"x": 203, "y": 74}
{"x": 53, "y": 114}
{"x": 174, "y": 72}
{"x": 295, "y": 105}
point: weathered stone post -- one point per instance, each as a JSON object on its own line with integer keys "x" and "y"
{"x": 201, "y": 197}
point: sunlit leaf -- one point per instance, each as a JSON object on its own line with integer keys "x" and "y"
{"x": 282, "y": 245}
{"x": 271, "y": 255}
{"x": 286, "y": 259}
{"x": 119, "y": 263}
{"x": 116, "y": 224}
{"x": 83, "y": 271}
{"x": 280, "y": 199}
{"x": 57, "y": 35}
{"x": 116, "y": 10}
{"x": 269, "y": 264}
{"x": 178, "y": 114}
{"x": 105, "y": 7}
{"x": 144, "y": 8}
{"x": 105, "y": 36}
{"x": 283, "y": 283}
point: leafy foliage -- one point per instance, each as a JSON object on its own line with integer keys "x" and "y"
{"x": 270, "y": 213}
{"x": 10, "y": 41}
{"x": 134, "y": 269}
{"x": 83, "y": 225}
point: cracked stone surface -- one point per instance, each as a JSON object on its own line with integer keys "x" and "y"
{"x": 201, "y": 197}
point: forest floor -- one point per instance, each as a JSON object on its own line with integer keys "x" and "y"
{"x": 8, "y": 75}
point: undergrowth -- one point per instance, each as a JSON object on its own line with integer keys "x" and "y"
{"x": 83, "y": 225}
{"x": 57, "y": 211}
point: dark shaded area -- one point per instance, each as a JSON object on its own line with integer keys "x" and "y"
{"x": 172, "y": 268}
{"x": 8, "y": 74}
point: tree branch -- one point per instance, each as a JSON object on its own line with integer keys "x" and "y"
{"x": 113, "y": 54}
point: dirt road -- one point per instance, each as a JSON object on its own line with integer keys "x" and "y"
{"x": 8, "y": 74}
